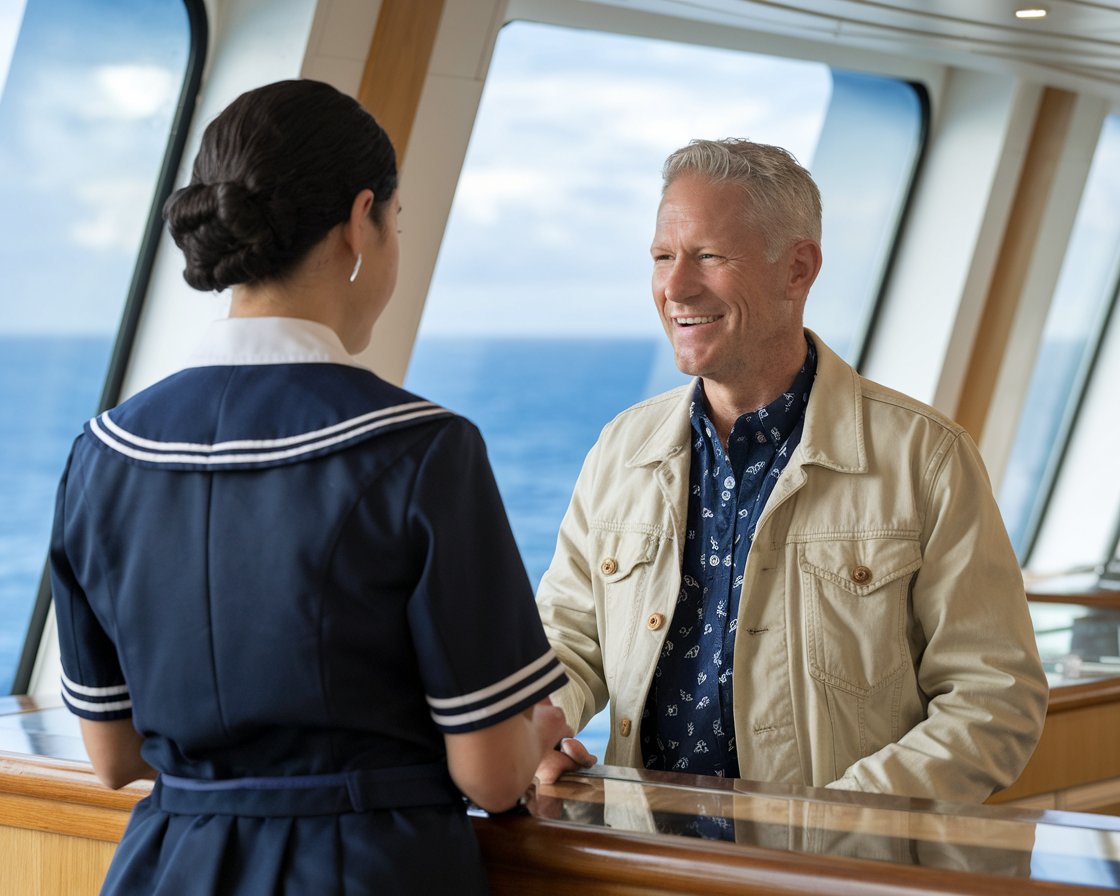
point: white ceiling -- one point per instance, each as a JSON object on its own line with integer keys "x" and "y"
{"x": 1076, "y": 45}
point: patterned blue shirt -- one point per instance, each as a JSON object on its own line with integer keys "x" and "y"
{"x": 688, "y": 722}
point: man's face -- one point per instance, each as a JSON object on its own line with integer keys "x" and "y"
{"x": 723, "y": 305}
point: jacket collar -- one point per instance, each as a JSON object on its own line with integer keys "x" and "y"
{"x": 672, "y": 434}
{"x": 833, "y": 435}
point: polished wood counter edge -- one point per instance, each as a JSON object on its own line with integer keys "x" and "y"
{"x": 533, "y": 856}
{"x": 1102, "y": 598}
{"x": 63, "y": 780}
{"x": 62, "y": 797}
{"x": 612, "y": 858}
{"x": 1075, "y": 696}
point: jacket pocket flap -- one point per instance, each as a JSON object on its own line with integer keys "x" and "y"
{"x": 862, "y": 565}
{"x": 619, "y": 553}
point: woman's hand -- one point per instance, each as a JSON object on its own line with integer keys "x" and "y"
{"x": 494, "y": 766}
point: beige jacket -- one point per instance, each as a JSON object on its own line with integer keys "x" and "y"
{"x": 884, "y": 642}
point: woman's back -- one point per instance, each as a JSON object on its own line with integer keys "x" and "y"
{"x": 284, "y": 588}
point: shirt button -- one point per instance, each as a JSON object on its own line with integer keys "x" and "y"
{"x": 861, "y": 575}
{"x": 624, "y": 727}
{"x": 655, "y": 621}
{"x": 609, "y": 566}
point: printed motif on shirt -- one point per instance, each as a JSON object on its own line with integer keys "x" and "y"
{"x": 688, "y": 723}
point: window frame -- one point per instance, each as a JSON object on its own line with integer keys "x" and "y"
{"x": 1064, "y": 440}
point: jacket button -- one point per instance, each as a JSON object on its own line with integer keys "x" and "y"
{"x": 655, "y": 621}
{"x": 861, "y": 575}
{"x": 624, "y": 727}
{"x": 609, "y": 566}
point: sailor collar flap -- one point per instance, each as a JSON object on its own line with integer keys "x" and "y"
{"x": 252, "y": 417}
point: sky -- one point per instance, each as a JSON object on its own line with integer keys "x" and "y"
{"x": 550, "y": 228}
{"x": 554, "y": 212}
{"x": 552, "y": 219}
{"x": 84, "y": 119}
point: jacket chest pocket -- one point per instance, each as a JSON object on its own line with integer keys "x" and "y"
{"x": 623, "y": 563}
{"x": 855, "y": 609}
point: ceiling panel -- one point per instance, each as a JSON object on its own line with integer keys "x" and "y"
{"x": 1077, "y": 45}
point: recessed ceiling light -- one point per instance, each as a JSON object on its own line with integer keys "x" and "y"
{"x": 1034, "y": 12}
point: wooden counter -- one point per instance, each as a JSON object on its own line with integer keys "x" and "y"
{"x": 612, "y": 831}
{"x": 1077, "y": 762}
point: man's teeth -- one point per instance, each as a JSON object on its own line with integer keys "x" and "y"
{"x": 688, "y": 321}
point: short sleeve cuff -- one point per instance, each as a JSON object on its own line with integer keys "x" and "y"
{"x": 99, "y": 704}
{"x": 496, "y": 702}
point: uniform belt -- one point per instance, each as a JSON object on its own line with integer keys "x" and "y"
{"x": 330, "y": 794}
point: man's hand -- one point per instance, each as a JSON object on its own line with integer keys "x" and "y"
{"x": 572, "y": 755}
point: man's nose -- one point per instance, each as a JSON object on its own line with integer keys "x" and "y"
{"x": 679, "y": 283}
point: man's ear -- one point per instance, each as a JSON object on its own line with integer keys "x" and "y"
{"x": 804, "y": 265}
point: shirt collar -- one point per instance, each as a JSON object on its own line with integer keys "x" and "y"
{"x": 237, "y": 341}
{"x": 778, "y": 411}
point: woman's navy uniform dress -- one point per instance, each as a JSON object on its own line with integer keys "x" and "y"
{"x": 294, "y": 577}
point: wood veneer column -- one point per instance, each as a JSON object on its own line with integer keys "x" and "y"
{"x": 397, "y": 65}
{"x": 1020, "y": 241}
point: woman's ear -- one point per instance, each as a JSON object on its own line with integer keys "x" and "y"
{"x": 354, "y": 230}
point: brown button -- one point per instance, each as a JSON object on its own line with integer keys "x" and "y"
{"x": 655, "y": 621}
{"x": 861, "y": 575}
{"x": 624, "y": 727}
{"x": 609, "y": 566}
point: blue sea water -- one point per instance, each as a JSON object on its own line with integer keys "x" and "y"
{"x": 49, "y": 386}
{"x": 540, "y": 404}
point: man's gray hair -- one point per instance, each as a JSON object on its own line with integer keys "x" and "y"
{"x": 783, "y": 201}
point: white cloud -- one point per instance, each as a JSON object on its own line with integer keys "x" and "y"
{"x": 488, "y": 194}
{"x": 128, "y": 92}
{"x": 107, "y": 218}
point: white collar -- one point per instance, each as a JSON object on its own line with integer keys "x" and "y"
{"x": 235, "y": 341}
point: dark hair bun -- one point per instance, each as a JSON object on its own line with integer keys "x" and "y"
{"x": 228, "y": 234}
{"x": 276, "y": 170}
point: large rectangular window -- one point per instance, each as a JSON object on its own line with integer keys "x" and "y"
{"x": 539, "y": 323}
{"x": 1060, "y": 494}
{"x": 89, "y": 92}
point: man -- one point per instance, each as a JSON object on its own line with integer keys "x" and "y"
{"x": 783, "y": 571}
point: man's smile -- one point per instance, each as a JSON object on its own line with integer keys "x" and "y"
{"x": 692, "y": 321}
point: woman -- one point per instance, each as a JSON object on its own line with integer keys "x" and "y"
{"x": 285, "y": 588}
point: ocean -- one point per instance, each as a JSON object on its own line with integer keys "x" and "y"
{"x": 539, "y": 403}
{"x": 48, "y": 387}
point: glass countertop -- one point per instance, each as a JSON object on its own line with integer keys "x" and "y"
{"x": 1079, "y": 643}
{"x": 1056, "y": 847}
{"x": 1066, "y": 848}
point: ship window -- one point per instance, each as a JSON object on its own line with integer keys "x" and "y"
{"x": 1060, "y": 494}
{"x": 539, "y": 324}
{"x": 89, "y": 94}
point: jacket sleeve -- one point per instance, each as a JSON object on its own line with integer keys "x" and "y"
{"x": 980, "y": 668}
{"x": 570, "y": 610}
